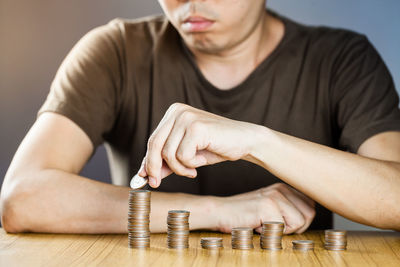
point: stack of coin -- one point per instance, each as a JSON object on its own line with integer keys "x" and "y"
{"x": 335, "y": 240}
{"x": 242, "y": 238}
{"x": 271, "y": 235}
{"x": 211, "y": 242}
{"x": 139, "y": 219}
{"x": 178, "y": 229}
{"x": 303, "y": 245}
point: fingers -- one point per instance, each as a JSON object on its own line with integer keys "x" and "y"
{"x": 273, "y": 213}
{"x": 165, "y": 171}
{"x": 142, "y": 170}
{"x": 153, "y": 158}
{"x": 302, "y": 203}
{"x": 192, "y": 149}
{"x": 153, "y": 164}
{"x": 161, "y": 159}
{"x": 190, "y": 144}
{"x": 293, "y": 218}
{"x": 169, "y": 151}
{"x": 182, "y": 141}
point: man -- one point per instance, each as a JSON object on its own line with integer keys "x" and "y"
{"x": 214, "y": 82}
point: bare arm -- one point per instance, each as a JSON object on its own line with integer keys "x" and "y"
{"x": 43, "y": 193}
{"x": 364, "y": 188}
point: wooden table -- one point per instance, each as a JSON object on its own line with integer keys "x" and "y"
{"x": 364, "y": 249}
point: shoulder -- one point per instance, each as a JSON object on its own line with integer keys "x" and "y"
{"x": 330, "y": 36}
{"x": 337, "y": 42}
{"x": 120, "y": 39}
{"x": 120, "y": 32}
{"x": 142, "y": 29}
{"x": 334, "y": 51}
{"x": 135, "y": 38}
{"x": 321, "y": 41}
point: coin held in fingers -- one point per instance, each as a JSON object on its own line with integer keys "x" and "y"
{"x": 138, "y": 181}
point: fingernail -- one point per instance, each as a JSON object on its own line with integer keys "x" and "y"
{"x": 192, "y": 174}
{"x": 153, "y": 181}
{"x": 142, "y": 173}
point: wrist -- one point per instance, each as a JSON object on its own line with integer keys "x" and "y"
{"x": 204, "y": 212}
{"x": 259, "y": 148}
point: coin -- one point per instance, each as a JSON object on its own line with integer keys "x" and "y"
{"x": 335, "y": 240}
{"x": 303, "y": 245}
{"x": 271, "y": 235}
{"x": 211, "y": 242}
{"x": 242, "y": 238}
{"x": 138, "y": 181}
{"x": 139, "y": 219}
{"x": 178, "y": 229}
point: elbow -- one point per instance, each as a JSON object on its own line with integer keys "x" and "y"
{"x": 386, "y": 225}
{"x": 387, "y": 218}
{"x": 9, "y": 220}
{"x": 395, "y": 226}
{"x": 11, "y": 209}
{"x": 394, "y": 222}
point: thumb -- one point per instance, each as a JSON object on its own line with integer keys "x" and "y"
{"x": 142, "y": 170}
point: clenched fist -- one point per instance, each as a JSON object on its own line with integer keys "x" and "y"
{"x": 277, "y": 202}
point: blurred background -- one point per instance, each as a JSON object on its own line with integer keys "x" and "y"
{"x": 35, "y": 36}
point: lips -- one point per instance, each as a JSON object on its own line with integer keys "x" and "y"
{"x": 196, "y": 24}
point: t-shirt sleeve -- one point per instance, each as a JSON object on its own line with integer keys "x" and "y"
{"x": 365, "y": 99}
{"x": 87, "y": 85}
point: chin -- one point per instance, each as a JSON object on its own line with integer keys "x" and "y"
{"x": 205, "y": 45}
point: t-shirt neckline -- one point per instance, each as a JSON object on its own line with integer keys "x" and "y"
{"x": 243, "y": 86}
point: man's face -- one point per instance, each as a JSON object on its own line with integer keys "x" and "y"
{"x": 212, "y": 26}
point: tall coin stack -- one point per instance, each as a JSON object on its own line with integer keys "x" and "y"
{"x": 303, "y": 245}
{"x": 139, "y": 219}
{"x": 242, "y": 238}
{"x": 335, "y": 240}
{"x": 271, "y": 235}
{"x": 178, "y": 229}
{"x": 211, "y": 242}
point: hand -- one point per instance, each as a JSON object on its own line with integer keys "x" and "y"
{"x": 187, "y": 138}
{"x": 277, "y": 202}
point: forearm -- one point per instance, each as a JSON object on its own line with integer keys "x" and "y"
{"x": 359, "y": 188}
{"x": 203, "y": 214}
{"x": 54, "y": 201}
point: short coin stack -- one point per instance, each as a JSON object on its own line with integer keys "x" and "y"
{"x": 303, "y": 245}
{"x": 139, "y": 219}
{"x": 242, "y": 238}
{"x": 271, "y": 235}
{"x": 178, "y": 229}
{"x": 211, "y": 242}
{"x": 335, "y": 240}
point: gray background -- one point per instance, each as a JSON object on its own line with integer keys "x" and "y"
{"x": 35, "y": 36}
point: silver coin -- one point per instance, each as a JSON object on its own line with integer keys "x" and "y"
{"x": 178, "y": 229}
{"x": 138, "y": 182}
{"x": 139, "y": 218}
{"x": 242, "y": 238}
{"x": 303, "y": 245}
{"x": 211, "y": 239}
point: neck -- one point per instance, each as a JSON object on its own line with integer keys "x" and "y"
{"x": 230, "y": 67}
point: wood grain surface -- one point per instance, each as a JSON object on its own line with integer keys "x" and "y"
{"x": 364, "y": 249}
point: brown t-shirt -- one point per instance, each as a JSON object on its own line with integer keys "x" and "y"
{"x": 324, "y": 85}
